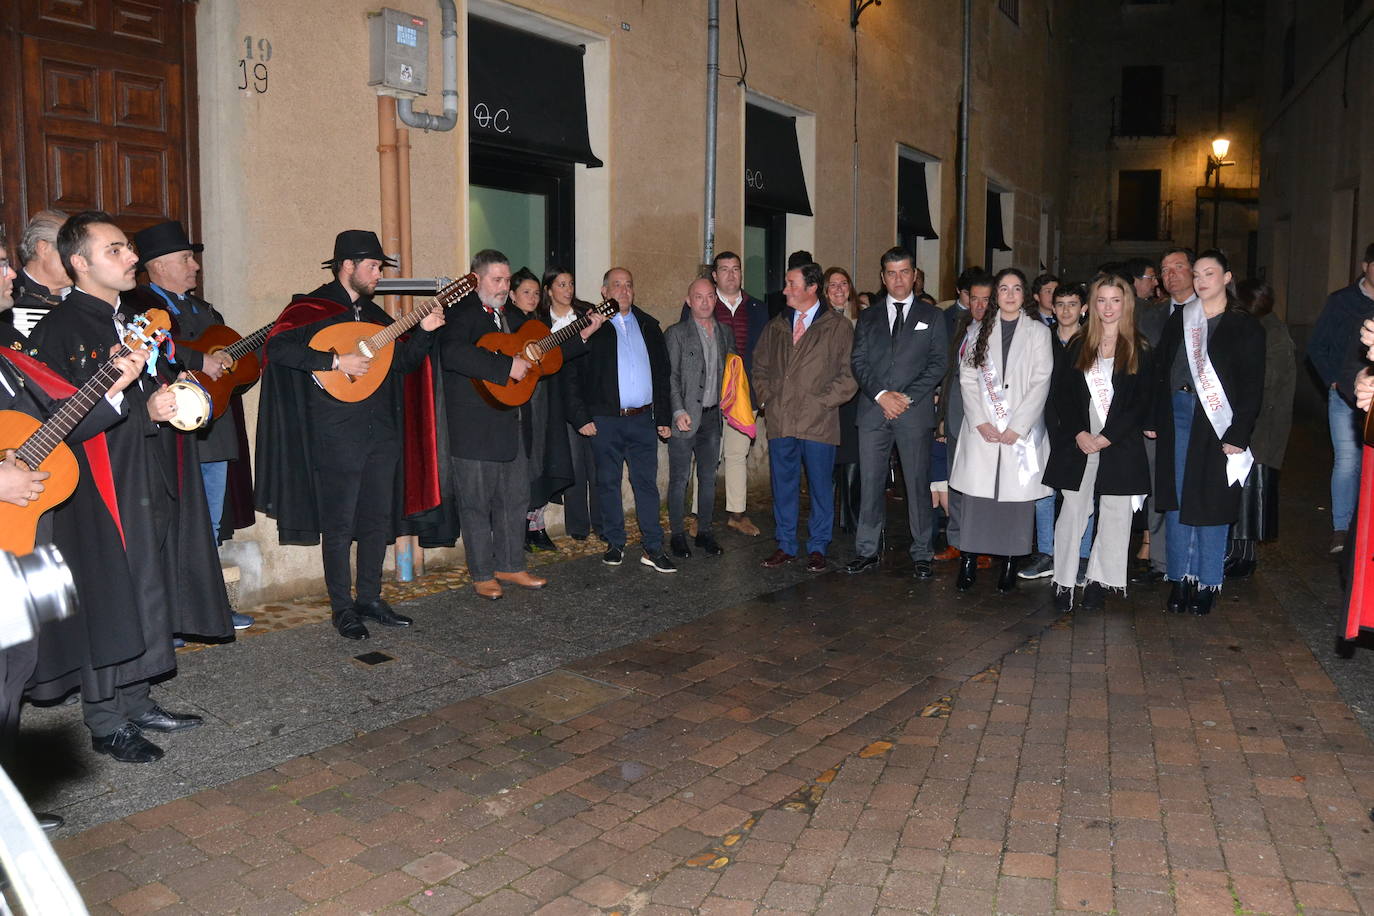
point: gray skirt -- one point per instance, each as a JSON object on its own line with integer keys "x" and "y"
{"x": 978, "y": 524}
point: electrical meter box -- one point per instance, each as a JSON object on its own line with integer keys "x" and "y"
{"x": 400, "y": 53}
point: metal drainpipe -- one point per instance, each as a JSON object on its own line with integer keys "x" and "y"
{"x": 965, "y": 101}
{"x": 448, "y": 12}
{"x": 708, "y": 242}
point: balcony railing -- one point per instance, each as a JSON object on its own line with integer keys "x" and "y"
{"x": 1132, "y": 121}
{"x": 1162, "y": 232}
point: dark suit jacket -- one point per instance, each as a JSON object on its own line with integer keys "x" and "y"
{"x": 592, "y": 385}
{"x": 913, "y": 363}
{"x": 477, "y": 429}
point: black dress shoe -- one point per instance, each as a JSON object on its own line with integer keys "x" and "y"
{"x": 1094, "y": 597}
{"x": 707, "y": 542}
{"x": 923, "y": 570}
{"x": 678, "y": 545}
{"x": 158, "y": 719}
{"x": 1180, "y": 594}
{"x": 1006, "y": 579}
{"x": 127, "y": 745}
{"x": 348, "y": 624}
{"x": 381, "y": 612}
{"x": 968, "y": 571}
{"x": 51, "y": 823}
{"x": 859, "y": 564}
{"x": 1146, "y": 575}
{"x": 540, "y": 540}
{"x": 1201, "y": 603}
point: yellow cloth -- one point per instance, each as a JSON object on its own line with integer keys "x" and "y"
{"x": 735, "y": 402}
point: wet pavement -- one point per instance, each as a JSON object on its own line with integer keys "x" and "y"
{"x": 731, "y": 740}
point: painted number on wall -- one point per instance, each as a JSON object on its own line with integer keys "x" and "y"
{"x": 253, "y": 64}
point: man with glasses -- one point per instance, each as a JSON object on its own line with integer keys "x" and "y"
{"x": 1145, "y": 279}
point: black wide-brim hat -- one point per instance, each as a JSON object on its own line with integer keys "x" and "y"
{"x": 164, "y": 238}
{"x": 358, "y": 245}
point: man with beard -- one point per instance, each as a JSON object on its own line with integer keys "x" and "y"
{"x": 328, "y": 469}
{"x": 144, "y": 561}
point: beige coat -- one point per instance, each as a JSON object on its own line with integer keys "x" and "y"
{"x": 800, "y": 389}
{"x": 1025, "y": 380}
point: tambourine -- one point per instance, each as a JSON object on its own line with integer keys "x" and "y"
{"x": 194, "y": 406}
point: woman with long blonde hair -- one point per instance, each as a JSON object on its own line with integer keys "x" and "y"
{"x": 1099, "y": 403}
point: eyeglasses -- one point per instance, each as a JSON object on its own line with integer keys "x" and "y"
{"x": 1145, "y": 277}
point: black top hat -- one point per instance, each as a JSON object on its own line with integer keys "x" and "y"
{"x": 164, "y": 238}
{"x": 358, "y": 245}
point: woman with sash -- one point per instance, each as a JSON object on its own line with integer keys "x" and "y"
{"x": 997, "y": 466}
{"x": 558, "y": 308}
{"x": 1099, "y": 401}
{"x": 1209, "y": 380}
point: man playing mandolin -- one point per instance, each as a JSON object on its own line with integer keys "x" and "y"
{"x": 490, "y": 442}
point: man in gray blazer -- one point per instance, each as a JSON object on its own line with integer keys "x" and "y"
{"x": 900, "y": 354}
{"x": 697, "y": 348}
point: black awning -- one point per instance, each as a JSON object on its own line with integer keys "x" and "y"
{"x": 996, "y": 238}
{"x": 526, "y": 93}
{"x": 913, "y": 204}
{"x": 773, "y": 175}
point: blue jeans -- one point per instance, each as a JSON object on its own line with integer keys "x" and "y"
{"x": 1044, "y": 528}
{"x": 215, "y": 474}
{"x": 1345, "y": 473}
{"x": 633, "y": 441}
{"x": 786, "y": 457}
{"x": 1196, "y": 552}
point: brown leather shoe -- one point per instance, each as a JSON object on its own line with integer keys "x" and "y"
{"x": 778, "y": 558}
{"x": 816, "y": 562}
{"x": 487, "y": 588}
{"x": 523, "y": 578}
{"x": 740, "y": 522}
{"x": 949, "y": 553}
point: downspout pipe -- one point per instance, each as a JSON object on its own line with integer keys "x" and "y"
{"x": 405, "y": 108}
{"x": 965, "y": 102}
{"x": 708, "y": 242}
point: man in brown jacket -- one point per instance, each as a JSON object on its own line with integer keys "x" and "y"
{"x": 801, "y": 377}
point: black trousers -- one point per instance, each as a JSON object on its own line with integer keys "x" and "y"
{"x": 104, "y": 717}
{"x": 356, "y": 505}
{"x": 581, "y": 511}
{"x": 16, "y": 664}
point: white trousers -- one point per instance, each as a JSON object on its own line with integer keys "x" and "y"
{"x": 1111, "y": 543}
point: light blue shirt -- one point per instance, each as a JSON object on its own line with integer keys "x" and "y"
{"x": 809, "y": 315}
{"x": 632, "y": 363}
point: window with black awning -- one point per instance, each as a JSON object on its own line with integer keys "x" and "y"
{"x": 913, "y": 201}
{"x": 527, "y": 93}
{"x": 996, "y": 237}
{"x": 773, "y": 177}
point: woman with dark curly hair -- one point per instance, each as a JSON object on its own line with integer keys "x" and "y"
{"x": 995, "y": 480}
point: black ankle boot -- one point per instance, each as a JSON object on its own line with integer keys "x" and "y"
{"x": 1094, "y": 597}
{"x": 1006, "y": 579}
{"x": 1240, "y": 559}
{"x": 1180, "y": 594}
{"x": 1063, "y": 598}
{"x": 968, "y": 571}
{"x": 1201, "y": 601}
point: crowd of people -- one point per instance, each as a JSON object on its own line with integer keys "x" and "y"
{"x": 1040, "y": 429}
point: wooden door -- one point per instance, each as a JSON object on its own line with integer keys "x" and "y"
{"x": 103, "y": 98}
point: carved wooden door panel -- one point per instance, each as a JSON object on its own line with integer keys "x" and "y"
{"x": 104, "y": 110}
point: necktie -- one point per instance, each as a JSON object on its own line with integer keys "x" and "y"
{"x": 798, "y": 328}
{"x": 897, "y": 322}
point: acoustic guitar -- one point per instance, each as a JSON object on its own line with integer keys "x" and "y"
{"x": 376, "y": 343}
{"x": 244, "y": 370}
{"x": 43, "y": 448}
{"x": 514, "y": 393}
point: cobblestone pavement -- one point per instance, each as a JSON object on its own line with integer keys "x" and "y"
{"x": 830, "y": 744}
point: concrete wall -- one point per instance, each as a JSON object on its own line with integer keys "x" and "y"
{"x": 283, "y": 170}
{"x": 1317, "y": 215}
{"x": 1184, "y": 39}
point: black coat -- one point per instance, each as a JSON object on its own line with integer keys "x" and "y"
{"x": 301, "y": 428}
{"x": 592, "y": 385}
{"x": 1122, "y": 468}
{"x": 168, "y": 553}
{"x": 1237, "y": 353}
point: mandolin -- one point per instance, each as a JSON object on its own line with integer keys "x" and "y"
{"x": 513, "y": 393}
{"x": 245, "y": 369}
{"x": 376, "y": 343}
{"x": 42, "y": 442}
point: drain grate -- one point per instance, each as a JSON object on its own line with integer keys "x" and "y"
{"x": 374, "y": 658}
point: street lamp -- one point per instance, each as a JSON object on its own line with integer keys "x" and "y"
{"x": 1216, "y": 161}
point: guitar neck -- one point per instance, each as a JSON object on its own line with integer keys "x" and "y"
{"x": 564, "y": 334}
{"x": 38, "y": 446}
{"x": 249, "y": 344}
{"x": 398, "y": 327}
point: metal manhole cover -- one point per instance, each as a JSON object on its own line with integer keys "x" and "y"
{"x": 559, "y": 695}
